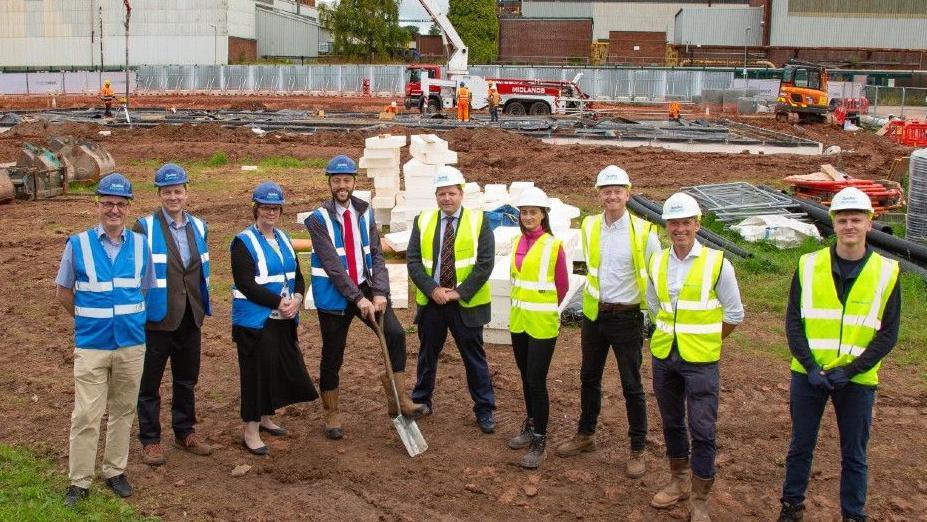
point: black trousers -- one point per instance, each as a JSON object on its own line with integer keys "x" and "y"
{"x": 335, "y": 333}
{"x": 182, "y": 347}
{"x": 533, "y": 358}
{"x": 620, "y": 331}
{"x": 435, "y": 322}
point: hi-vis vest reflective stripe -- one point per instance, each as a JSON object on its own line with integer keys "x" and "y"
{"x": 109, "y": 308}
{"x": 465, "y": 245}
{"x": 272, "y": 271}
{"x": 696, "y": 321}
{"x": 324, "y": 293}
{"x": 838, "y": 333}
{"x": 156, "y": 298}
{"x": 463, "y": 94}
{"x": 592, "y": 250}
{"x": 534, "y": 290}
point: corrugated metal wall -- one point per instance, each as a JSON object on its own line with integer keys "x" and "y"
{"x": 884, "y": 24}
{"x": 709, "y": 26}
{"x": 284, "y": 34}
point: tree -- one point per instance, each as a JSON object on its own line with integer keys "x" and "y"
{"x": 413, "y": 30}
{"x": 476, "y": 22}
{"x": 366, "y": 29}
{"x": 434, "y": 30}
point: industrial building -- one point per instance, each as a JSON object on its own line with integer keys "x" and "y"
{"x": 86, "y": 33}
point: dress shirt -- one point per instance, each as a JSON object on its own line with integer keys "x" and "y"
{"x": 66, "y": 273}
{"x": 179, "y": 233}
{"x": 617, "y": 277}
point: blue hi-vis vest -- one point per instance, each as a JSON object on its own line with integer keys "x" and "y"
{"x": 271, "y": 271}
{"x": 109, "y": 307}
{"x": 324, "y": 293}
{"x": 156, "y": 299}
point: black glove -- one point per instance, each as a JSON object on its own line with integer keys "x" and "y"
{"x": 838, "y": 377}
{"x": 818, "y": 380}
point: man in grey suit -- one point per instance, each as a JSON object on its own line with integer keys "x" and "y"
{"x": 450, "y": 257}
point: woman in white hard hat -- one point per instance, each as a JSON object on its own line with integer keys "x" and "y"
{"x": 539, "y": 283}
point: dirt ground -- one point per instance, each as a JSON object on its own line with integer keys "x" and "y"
{"x": 465, "y": 475}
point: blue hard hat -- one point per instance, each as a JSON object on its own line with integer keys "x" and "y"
{"x": 115, "y": 184}
{"x": 341, "y": 164}
{"x": 461, "y": 84}
{"x": 170, "y": 174}
{"x": 268, "y": 193}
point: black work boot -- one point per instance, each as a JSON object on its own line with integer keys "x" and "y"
{"x": 74, "y": 495}
{"x": 536, "y": 452}
{"x": 523, "y": 439}
{"x": 791, "y": 512}
{"x": 120, "y": 485}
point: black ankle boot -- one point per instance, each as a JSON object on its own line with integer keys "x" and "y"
{"x": 536, "y": 452}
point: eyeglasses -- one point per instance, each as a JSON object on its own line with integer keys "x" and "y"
{"x": 110, "y": 205}
{"x": 270, "y": 208}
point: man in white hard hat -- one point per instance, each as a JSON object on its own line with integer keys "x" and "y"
{"x": 450, "y": 258}
{"x": 842, "y": 320}
{"x": 695, "y": 303}
{"x": 616, "y": 247}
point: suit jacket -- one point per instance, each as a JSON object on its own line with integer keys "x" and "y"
{"x": 183, "y": 283}
{"x": 485, "y": 258}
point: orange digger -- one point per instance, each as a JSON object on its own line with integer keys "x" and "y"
{"x": 802, "y": 93}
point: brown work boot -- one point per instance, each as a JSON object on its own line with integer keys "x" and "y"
{"x": 332, "y": 419}
{"x": 408, "y": 408}
{"x": 677, "y": 488}
{"x": 580, "y": 443}
{"x": 153, "y": 454}
{"x": 698, "y": 502}
{"x": 636, "y": 466}
{"x": 194, "y": 445}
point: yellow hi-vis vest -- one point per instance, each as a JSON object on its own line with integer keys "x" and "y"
{"x": 838, "y": 333}
{"x": 534, "y": 290}
{"x": 465, "y": 245}
{"x": 696, "y": 321}
{"x": 592, "y": 250}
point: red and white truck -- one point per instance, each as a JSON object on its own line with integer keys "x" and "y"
{"x": 519, "y": 97}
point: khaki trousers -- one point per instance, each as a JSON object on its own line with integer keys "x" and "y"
{"x": 104, "y": 381}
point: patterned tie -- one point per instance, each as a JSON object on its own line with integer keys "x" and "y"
{"x": 448, "y": 271}
{"x": 350, "y": 255}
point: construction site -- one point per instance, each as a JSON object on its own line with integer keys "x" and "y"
{"x": 763, "y": 162}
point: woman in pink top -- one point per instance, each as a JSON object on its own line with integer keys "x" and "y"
{"x": 538, "y": 269}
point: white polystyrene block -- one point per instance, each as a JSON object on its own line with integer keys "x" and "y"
{"x": 495, "y": 190}
{"x": 378, "y": 163}
{"x": 398, "y": 220}
{"x": 398, "y": 284}
{"x": 497, "y": 336}
{"x": 400, "y": 197}
{"x": 301, "y": 216}
{"x": 415, "y": 167}
{"x": 577, "y": 283}
{"x": 417, "y": 182}
{"x": 382, "y": 216}
{"x": 385, "y": 141}
{"x": 390, "y": 154}
{"x": 383, "y": 171}
{"x": 471, "y": 187}
{"x": 363, "y": 195}
{"x": 308, "y": 302}
{"x": 500, "y": 282}
{"x": 558, "y": 208}
{"x": 420, "y": 201}
{"x": 504, "y": 237}
{"x": 421, "y": 143}
{"x": 383, "y": 202}
{"x": 398, "y": 241}
{"x": 447, "y": 157}
{"x": 391, "y": 182}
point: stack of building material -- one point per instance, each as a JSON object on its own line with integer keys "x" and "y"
{"x": 495, "y": 195}
{"x": 398, "y": 284}
{"x": 429, "y": 153}
{"x": 381, "y": 161}
{"x": 473, "y": 196}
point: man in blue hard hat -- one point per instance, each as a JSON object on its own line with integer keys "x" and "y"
{"x": 176, "y": 306}
{"x": 104, "y": 274}
{"x": 349, "y": 279}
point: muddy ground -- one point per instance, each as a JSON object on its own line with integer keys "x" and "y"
{"x": 465, "y": 474}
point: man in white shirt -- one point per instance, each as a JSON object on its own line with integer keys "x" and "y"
{"x": 694, "y": 299}
{"x": 616, "y": 246}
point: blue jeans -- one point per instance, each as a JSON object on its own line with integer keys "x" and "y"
{"x": 853, "y": 406}
{"x": 688, "y": 390}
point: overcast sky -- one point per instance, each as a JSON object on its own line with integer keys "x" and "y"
{"x": 413, "y": 10}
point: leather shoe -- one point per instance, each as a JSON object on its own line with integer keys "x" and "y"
{"x": 74, "y": 495}
{"x": 276, "y": 432}
{"x": 120, "y": 485}
{"x": 256, "y": 451}
{"x": 486, "y": 422}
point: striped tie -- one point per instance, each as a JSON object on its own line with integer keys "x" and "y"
{"x": 448, "y": 272}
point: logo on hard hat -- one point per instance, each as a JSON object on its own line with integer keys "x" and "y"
{"x": 117, "y": 186}
{"x": 442, "y": 177}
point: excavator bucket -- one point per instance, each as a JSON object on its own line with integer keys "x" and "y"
{"x": 88, "y": 160}
{"x": 7, "y": 192}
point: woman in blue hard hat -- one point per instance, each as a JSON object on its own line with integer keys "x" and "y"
{"x": 267, "y": 293}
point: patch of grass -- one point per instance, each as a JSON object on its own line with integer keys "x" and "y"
{"x": 289, "y": 162}
{"x": 31, "y": 490}
{"x": 217, "y": 160}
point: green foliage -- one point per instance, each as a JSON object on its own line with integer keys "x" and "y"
{"x": 476, "y": 22}
{"x": 31, "y": 490}
{"x": 413, "y": 31}
{"x": 217, "y": 160}
{"x": 364, "y": 28}
{"x": 289, "y": 162}
{"x": 434, "y": 30}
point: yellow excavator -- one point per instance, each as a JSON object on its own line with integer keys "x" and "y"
{"x": 802, "y": 93}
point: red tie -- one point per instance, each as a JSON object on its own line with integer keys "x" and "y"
{"x": 349, "y": 246}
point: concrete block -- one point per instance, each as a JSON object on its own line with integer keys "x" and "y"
{"x": 390, "y": 154}
{"x": 384, "y": 202}
{"x": 421, "y": 143}
{"x": 385, "y": 141}
{"x": 497, "y": 336}
{"x": 367, "y": 163}
{"x": 398, "y": 241}
{"x": 447, "y": 157}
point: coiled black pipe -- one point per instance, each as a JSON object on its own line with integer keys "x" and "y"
{"x": 906, "y": 265}
{"x": 722, "y": 242}
{"x": 654, "y": 217}
{"x": 881, "y": 226}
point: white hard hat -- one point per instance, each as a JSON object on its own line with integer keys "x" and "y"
{"x": 612, "y": 175}
{"x": 681, "y": 205}
{"x": 851, "y": 198}
{"x": 448, "y": 176}
{"x": 533, "y": 197}
{"x": 392, "y": 104}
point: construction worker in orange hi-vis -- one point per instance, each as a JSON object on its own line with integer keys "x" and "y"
{"x": 463, "y": 102}
{"x": 107, "y": 96}
{"x": 392, "y": 108}
{"x": 674, "y": 111}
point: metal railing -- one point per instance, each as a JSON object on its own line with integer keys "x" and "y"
{"x": 908, "y": 102}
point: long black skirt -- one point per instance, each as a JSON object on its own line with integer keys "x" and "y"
{"x": 273, "y": 373}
